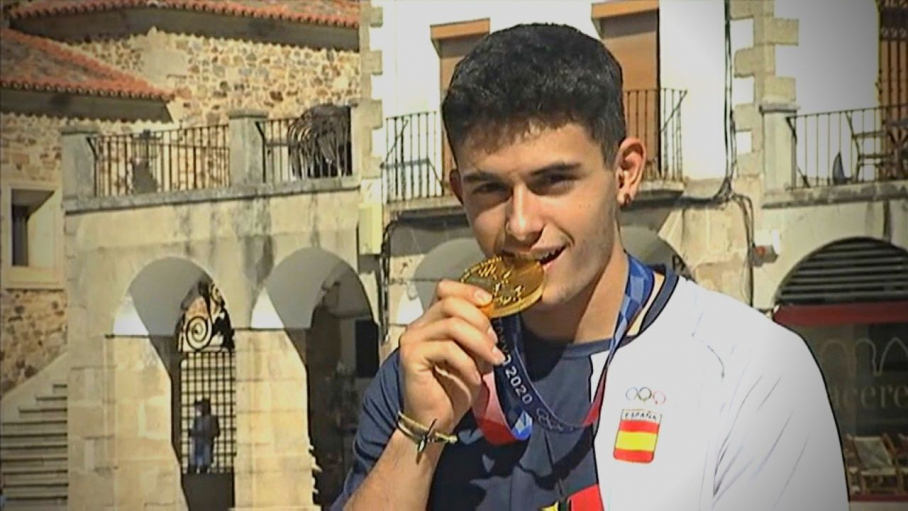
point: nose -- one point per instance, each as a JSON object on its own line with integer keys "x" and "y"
{"x": 524, "y": 223}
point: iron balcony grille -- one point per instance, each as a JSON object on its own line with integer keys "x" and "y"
{"x": 412, "y": 168}
{"x": 848, "y": 271}
{"x": 850, "y": 146}
{"x": 654, "y": 116}
{"x": 415, "y": 164}
{"x": 161, "y": 161}
{"x": 313, "y": 146}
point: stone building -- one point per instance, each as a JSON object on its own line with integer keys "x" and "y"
{"x": 162, "y": 177}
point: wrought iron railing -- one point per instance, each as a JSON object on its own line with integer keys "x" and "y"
{"x": 161, "y": 161}
{"x": 850, "y": 146}
{"x": 413, "y": 166}
{"x": 313, "y": 146}
{"x": 654, "y": 116}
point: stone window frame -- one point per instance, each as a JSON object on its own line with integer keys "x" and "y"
{"x": 46, "y": 276}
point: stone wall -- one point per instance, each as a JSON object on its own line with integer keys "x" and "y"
{"x": 211, "y": 76}
{"x": 32, "y": 322}
{"x": 30, "y": 148}
{"x": 33, "y": 332}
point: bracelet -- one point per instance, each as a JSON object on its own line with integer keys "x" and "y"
{"x": 422, "y": 435}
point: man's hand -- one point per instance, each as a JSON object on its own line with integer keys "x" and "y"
{"x": 444, "y": 354}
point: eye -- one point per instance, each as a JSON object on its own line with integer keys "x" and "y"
{"x": 488, "y": 188}
{"x": 555, "y": 179}
{"x": 555, "y": 182}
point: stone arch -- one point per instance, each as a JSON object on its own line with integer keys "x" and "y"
{"x": 151, "y": 375}
{"x": 300, "y": 282}
{"x": 446, "y": 261}
{"x": 649, "y": 247}
{"x": 803, "y": 238}
{"x": 314, "y": 305}
{"x": 871, "y": 243}
{"x": 152, "y": 302}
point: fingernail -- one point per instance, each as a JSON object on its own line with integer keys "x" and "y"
{"x": 498, "y": 356}
{"x": 482, "y": 296}
{"x": 492, "y": 335}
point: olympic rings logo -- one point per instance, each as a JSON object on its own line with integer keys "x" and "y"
{"x": 645, "y": 395}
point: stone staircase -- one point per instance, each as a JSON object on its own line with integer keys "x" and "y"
{"x": 33, "y": 454}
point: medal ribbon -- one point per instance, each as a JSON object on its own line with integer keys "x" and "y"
{"x": 520, "y": 404}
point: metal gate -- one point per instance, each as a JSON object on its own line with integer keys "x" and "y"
{"x": 207, "y": 378}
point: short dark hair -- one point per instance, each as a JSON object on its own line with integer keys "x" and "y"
{"x": 537, "y": 74}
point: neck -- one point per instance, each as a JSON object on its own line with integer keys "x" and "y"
{"x": 591, "y": 314}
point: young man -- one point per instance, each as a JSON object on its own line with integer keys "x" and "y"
{"x": 708, "y": 405}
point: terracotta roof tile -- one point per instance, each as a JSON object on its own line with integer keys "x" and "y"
{"x": 37, "y": 64}
{"x": 341, "y": 13}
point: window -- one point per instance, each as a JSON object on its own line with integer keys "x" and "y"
{"x": 20, "y": 234}
{"x": 630, "y": 31}
{"x": 893, "y": 35}
{"x": 32, "y": 232}
{"x": 454, "y": 41}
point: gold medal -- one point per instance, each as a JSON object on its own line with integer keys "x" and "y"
{"x": 515, "y": 284}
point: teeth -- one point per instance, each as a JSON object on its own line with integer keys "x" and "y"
{"x": 546, "y": 256}
{"x": 536, "y": 257}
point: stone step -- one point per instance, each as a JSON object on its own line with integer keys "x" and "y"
{"x": 36, "y": 506}
{"x": 33, "y": 425}
{"x": 31, "y": 444}
{"x": 35, "y": 456}
{"x": 25, "y": 438}
{"x": 23, "y": 479}
{"x": 46, "y": 412}
{"x": 59, "y": 389}
{"x": 55, "y": 494}
{"x": 52, "y": 399}
{"x": 53, "y": 465}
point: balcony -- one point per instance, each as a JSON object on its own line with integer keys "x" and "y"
{"x": 417, "y": 161}
{"x": 847, "y": 147}
{"x": 654, "y": 116}
{"x": 315, "y": 145}
{"x": 414, "y": 167}
{"x": 161, "y": 161}
{"x": 251, "y": 149}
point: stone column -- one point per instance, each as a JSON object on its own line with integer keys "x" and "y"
{"x": 246, "y": 147}
{"x": 77, "y": 161}
{"x": 147, "y": 472}
{"x": 90, "y": 417}
{"x": 780, "y": 167}
{"x": 273, "y": 462}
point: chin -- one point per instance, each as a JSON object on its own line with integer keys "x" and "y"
{"x": 551, "y": 299}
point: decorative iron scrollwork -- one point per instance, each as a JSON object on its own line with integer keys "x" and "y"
{"x": 197, "y": 329}
{"x": 319, "y": 142}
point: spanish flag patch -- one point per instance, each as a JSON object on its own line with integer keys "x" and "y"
{"x": 637, "y": 435}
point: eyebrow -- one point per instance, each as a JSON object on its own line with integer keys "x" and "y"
{"x": 484, "y": 176}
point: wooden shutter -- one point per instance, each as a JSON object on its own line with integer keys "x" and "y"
{"x": 454, "y": 41}
{"x": 630, "y": 30}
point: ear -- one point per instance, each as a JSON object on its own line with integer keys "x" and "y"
{"x": 455, "y": 184}
{"x": 630, "y": 161}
